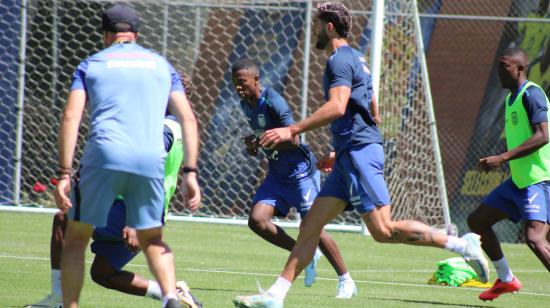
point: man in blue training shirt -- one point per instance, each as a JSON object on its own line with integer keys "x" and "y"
{"x": 115, "y": 245}
{"x": 525, "y": 195}
{"x": 127, "y": 88}
{"x": 292, "y": 179}
{"x": 357, "y": 177}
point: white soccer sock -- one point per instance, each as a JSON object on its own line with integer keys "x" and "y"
{"x": 56, "y": 282}
{"x": 280, "y": 288}
{"x": 168, "y": 297}
{"x": 344, "y": 277}
{"x": 456, "y": 245}
{"x": 153, "y": 290}
{"x": 503, "y": 271}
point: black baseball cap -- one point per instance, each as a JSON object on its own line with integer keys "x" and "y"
{"x": 120, "y": 13}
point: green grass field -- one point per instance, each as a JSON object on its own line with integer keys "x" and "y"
{"x": 220, "y": 262}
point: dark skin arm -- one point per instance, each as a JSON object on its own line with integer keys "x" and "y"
{"x": 288, "y": 145}
{"x": 537, "y": 140}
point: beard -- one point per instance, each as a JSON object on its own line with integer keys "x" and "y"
{"x": 322, "y": 40}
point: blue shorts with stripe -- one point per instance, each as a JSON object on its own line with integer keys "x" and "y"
{"x": 357, "y": 178}
{"x": 530, "y": 203}
{"x": 283, "y": 196}
{"x": 96, "y": 188}
{"x": 108, "y": 241}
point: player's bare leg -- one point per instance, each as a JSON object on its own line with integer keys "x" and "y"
{"x": 536, "y": 238}
{"x": 159, "y": 257}
{"x": 323, "y": 210}
{"x": 481, "y": 221}
{"x": 77, "y": 237}
{"x": 260, "y": 222}
{"x": 384, "y": 230}
{"x": 103, "y": 273}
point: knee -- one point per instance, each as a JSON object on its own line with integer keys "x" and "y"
{"x": 475, "y": 223}
{"x": 99, "y": 277}
{"x": 383, "y": 234}
{"x": 256, "y": 223}
{"x": 59, "y": 220}
{"x": 534, "y": 240}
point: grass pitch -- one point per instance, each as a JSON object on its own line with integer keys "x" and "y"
{"x": 220, "y": 262}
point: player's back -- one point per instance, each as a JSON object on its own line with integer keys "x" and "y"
{"x": 347, "y": 67}
{"x": 127, "y": 87}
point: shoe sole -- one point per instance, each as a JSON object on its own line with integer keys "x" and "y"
{"x": 480, "y": 268}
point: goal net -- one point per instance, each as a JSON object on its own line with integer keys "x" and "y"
{"x": 204, "y": 38}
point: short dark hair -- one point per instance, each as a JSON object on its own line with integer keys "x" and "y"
{"x": 337, "y": 14}
{"x": 519, "y": 54}
{"x": 245, "y": 64}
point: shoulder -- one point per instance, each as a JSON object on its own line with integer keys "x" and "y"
{"x": 534, "y": 91}
{"x": 275, "y": 100}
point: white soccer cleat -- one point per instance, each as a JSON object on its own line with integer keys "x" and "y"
{"x": 262, "y": 300}
{"x": 473, "y": 255}
{"x": 310, "y": 271}
{"x": 346, "y": 289}
{"x": 51, "y": 301}
{"x": 185, "y": 297}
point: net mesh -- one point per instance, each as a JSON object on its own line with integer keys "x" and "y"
{"x": 204, "y": 39}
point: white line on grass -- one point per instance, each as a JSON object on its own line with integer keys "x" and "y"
{"x": 320, "y": 278}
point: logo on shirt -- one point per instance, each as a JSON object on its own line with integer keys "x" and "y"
{"x": 261, "y": 120}
{"x": 306, "y": 196}
{"x": 514, "y": 118}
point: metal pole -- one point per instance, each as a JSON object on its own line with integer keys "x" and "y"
{"x": 431, "y": 119}
{"x": 197, "y": 34}
{"x": 376, "y": 39}
{"x": 376, "y": 44}
{"x": 20, "y": 105}
{"x": 165, "y": 29}
{"x": 55, "y": 50}
{"x": 305, "y": 68}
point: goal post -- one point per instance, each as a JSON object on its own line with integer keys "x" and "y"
{"x": 204, "y": 38}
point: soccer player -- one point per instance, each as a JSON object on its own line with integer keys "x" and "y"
{"x": 127, "y": 88}
{"x": 116, "y": 244}
{"x": 356, "y": 180}
{"x": 525, "y": 195}
{"x": 292, "y": 179}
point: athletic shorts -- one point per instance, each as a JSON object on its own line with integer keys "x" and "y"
{"x": 529, "y": 203}
{"x": 357, "y": 178}
{"x": 108, "y": 241}
{"x": 93, "y": 194}
{"x": 282, "y": 196}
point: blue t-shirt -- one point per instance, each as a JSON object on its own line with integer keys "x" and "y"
{"x": 346, "y": 67}
{"x": 127, "y": 89}
{"x": 272, "y": 111}
{"x": 534, "y": 102}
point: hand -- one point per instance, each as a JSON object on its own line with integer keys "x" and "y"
{"x": 490, "y": 163}
{"x": 191, "y": 191}
{"x": 251, "y": 142}
{"x": 271, "y": 138}
{"x": 61, "y": 193}
{"x": 326, "y": 162}
{"x": 130, "y": 239}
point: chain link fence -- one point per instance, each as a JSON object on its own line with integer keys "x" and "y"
{"x": 203, "y": 38}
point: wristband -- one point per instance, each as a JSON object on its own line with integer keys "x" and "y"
{"x": 190, "y": 169}
{"x": 64, "y": 176}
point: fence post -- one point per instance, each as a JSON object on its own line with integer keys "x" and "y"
{"x": 305, "y": 68}
{"x": 20, "y": 105}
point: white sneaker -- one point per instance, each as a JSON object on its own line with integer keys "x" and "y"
{"x": 185, "y": 297}
{"x": 52, "y": 301}
{"x": 473, "y": 255}
{"x": 346, "y": 289}
{"x": 311, "y": 269}
{"x": 262, "y": 300}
